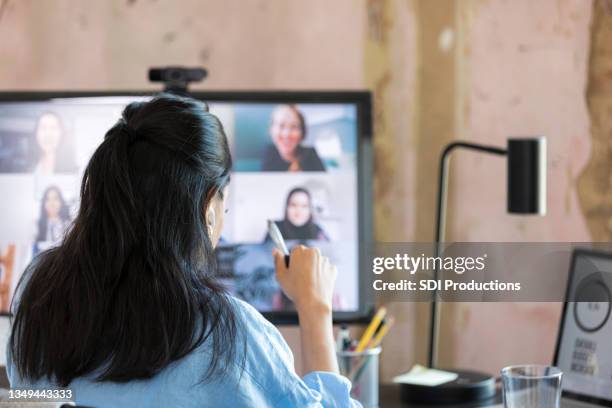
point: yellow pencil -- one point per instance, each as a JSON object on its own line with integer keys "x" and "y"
{"x": 382, "y": 332}
{"x": 367, "y": 335}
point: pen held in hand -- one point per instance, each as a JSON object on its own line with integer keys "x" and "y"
{"x": 278, "y": 240}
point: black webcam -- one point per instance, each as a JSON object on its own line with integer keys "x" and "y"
{"x": 176, "y": 79}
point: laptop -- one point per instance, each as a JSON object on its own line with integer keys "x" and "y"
{"x": 584, "y": 343}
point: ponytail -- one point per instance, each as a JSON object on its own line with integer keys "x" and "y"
{"x": 132, "y": 289}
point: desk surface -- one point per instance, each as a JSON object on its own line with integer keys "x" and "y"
{"x": 389, "y": 397}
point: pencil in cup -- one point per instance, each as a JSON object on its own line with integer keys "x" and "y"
{"x": 371, "y": 330}
{"x": 383, "y": 329}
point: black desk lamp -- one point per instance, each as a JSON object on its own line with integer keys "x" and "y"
{"x": 526, "y": 176}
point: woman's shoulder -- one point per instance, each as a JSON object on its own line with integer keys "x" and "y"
{"x": 264, "y": 366}
{"x": 245, "y": 310}
{"x": 310, "y": 159}
{"x": 271, "y": 159}
{"x": 263, "y": 340}
{"x": 258, "y": 330}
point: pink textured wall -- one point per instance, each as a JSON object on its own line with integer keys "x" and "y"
{"x": 254, "y": 44}
{"x": 526, "y": 74}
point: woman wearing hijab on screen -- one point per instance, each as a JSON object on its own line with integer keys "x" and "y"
{"x": 286, "y": 153}
{"x": 298, "y": 222}
{"x": 51, "y": 154}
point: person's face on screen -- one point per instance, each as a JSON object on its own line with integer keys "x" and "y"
{"x": 286, "y": 131}
{"x": 53, "y": 204}
{"x": 298, "y": 209}
{"x": 215, "y": 216}
{"x": 49, "y": 133}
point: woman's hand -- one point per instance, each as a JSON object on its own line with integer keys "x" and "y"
{"x": 309, "y": 280}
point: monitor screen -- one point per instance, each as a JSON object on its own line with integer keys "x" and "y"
{"x": 584, "y": 350}
{"x": 297, "y": 161}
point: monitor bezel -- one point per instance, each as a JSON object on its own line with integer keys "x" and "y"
{"x": 361, "y": 98}
{"x": 578, "y": 252}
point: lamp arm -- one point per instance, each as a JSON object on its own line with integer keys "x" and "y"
{"x": 442, "y": 182}
{"x": 434, "y": 328}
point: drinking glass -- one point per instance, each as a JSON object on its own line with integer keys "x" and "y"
{"x": 531, "y": 386}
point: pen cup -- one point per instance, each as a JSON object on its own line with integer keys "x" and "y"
{"x": 362, "y": 369}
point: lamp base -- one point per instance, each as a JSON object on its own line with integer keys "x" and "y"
{"x": 470, "y": 386}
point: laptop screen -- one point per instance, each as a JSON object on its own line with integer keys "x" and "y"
{"x": 584, "y": 350}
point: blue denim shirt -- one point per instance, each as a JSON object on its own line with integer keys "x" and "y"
{"x": 267, "y": 379}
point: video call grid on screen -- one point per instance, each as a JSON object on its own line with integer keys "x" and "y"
{"x": 319, "y": 198}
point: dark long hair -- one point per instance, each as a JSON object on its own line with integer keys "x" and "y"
{"x": 43, "y": 219}
{"x": 130, "y": 289}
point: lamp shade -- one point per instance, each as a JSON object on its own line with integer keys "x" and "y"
{"x": 527, "y": 175}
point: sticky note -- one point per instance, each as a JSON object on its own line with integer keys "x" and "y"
{"x": 420, "y": 375}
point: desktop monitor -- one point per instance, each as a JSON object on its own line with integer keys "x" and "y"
{"x": 321, "y": 199}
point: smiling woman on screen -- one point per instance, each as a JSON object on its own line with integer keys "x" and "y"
{"x": 287, "y": 153}
{"x": 127, "y": 311}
